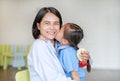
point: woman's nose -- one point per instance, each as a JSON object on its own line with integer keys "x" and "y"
{"x": 51, "y": 26}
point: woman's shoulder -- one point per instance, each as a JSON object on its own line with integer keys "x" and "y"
{"x": 38, "y": 43}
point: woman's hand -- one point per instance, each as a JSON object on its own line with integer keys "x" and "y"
{"x": 83, "y": 55}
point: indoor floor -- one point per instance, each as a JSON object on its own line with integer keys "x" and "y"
{"x": 94, "y": 75}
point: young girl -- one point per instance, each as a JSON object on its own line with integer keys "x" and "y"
{"x": 69, "y": 36}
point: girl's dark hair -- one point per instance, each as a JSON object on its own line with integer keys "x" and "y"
{"x": 88, "y": 66}
{"x": 42, "y": 12}
{"x": 74, "y": 34}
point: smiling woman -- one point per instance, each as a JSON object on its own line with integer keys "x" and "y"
{"x": 42, "y": 60}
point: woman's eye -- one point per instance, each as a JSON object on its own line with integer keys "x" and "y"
{"x": 47, "y": 23}
{"x": 57, "y": 23}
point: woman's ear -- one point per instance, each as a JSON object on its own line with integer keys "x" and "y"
{"x": 38, "y": 26}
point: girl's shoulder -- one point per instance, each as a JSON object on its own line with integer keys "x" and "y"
{"x": 69, "y": 50}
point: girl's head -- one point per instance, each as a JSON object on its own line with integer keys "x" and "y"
{"x": 47, "y": 23}
{"x": 70, "y": 34}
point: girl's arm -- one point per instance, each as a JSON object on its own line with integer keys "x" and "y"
{"x": 75, "y": 75}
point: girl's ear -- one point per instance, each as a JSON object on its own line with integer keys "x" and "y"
{"x": 64, "y": 42}
{"x": 38, "y": 26}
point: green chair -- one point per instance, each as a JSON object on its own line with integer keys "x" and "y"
{"x": 6, "y": 56}
{"x": 1, "y": 56}
{"x": 22, "y": 75}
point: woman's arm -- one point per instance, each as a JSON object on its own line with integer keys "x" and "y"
{"x": 46, "y": 65}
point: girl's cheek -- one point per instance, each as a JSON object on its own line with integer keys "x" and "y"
{"x": 58, "y": 36}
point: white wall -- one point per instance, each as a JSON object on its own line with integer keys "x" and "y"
{"x": 99, "y": 19}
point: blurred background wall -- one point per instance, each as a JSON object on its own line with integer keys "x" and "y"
{"x": 100, "y": 20}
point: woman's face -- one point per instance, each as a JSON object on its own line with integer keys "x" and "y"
{"x": 49, "y": 26}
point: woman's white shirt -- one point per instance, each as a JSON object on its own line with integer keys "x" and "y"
{"x": 43, "y": 63}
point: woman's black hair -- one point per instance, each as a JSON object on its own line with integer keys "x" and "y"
{"x": 42, "y": 12}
